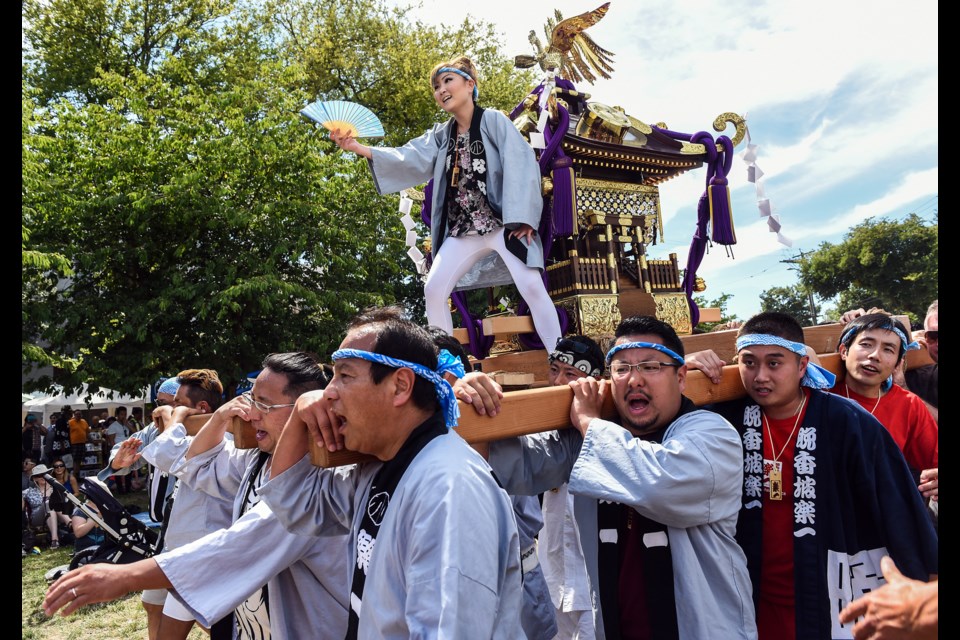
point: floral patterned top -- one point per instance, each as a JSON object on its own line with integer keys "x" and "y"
{"x": 468, "y": 211}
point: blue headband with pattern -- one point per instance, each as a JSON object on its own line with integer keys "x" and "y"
{"x": 644, "y": 345}
{"x": 448, "y": 402}
{"x": 170, "y": 385}
{"x": 815, "y": 377}
{"x": 851, "y": 332}
{"x": 460, "y": 72}
{"x": 449, "y": 363}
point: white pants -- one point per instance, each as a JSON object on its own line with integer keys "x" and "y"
{"x": 458, "y": 255}
{"x": 173, "y": 608}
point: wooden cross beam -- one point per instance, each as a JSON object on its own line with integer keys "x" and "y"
{"x": 244, "y": 435}
{"x": 534, "y": 411}
{"x": 546, "y": 409}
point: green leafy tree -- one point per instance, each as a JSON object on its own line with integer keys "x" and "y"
{"x": 792, "y": 300}
{"x": 366, "y": 52}
{"x": 71, "y": 42}
{"x": 205, "y": 222}
{"x": 893, "y": 264}
{"x": 40, "y": 271}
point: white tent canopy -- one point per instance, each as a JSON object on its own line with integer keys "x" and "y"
{"x": 43, "y": 406}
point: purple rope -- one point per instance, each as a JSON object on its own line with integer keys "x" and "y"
{"x": 718, "y": 166}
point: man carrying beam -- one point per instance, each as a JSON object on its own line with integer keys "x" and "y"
{"x": 826, "y": 492}
{"x": 665, "y": 482}
{"x": 291, "y": 586}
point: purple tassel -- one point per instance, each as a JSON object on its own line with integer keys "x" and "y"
{"x": 721, "y": 216}
{"x": 425, "y": 210}
{"x": 698, "y": 246}
{"x": 479, "y": 343}
{"x": 564, "y": 197}
{"x": 721, "y": 210}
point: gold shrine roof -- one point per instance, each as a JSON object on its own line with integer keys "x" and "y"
{"x": 605, "y": 142}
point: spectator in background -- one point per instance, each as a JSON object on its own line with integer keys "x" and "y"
{"x": 79, "y": 433}
{"x": 60, "y": 445}
{"x": 48, "y": 456}
{"x": 35, "y": 502}
{"x": 85, "y": 529}
{"x": 135, "y": 421}
{"x": 62, "y": 475}
{"x": 116, "y": 432}
{"x": 925, "y": 381}
{"x": 120, "y": 425}
{"x": 27, "y": 473}
{"x": 32, "y": 435}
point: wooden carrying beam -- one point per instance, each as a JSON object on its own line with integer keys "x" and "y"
{"x": 532, "y": 411}
{"x": 536, "y": 410}
{"x": 244, "y": 435}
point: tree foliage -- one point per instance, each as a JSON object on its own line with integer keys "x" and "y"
{"x": 880, "y": 263}
{"x": 792, "y": 300}
{"x": 205, "y": 222}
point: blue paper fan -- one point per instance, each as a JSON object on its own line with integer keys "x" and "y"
{"x": 350, "y": 117}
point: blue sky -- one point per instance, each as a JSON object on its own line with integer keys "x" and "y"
{"x": 841, "y": 98}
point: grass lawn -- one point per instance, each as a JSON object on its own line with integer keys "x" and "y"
{"x": 123, "y": 619}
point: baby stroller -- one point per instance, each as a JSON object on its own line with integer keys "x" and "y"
{"x": 126, "y": 539}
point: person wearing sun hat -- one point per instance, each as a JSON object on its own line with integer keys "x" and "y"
{"x": 36, "y": 501}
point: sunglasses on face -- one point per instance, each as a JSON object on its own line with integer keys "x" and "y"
{"x": 932, "y": 336}
{"x": 59, "y": 466}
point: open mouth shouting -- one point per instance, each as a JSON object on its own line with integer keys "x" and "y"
{"x": 636, "y": 403}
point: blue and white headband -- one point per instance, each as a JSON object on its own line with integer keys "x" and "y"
{"x": 851, "y": 331}
{"x": 644, "y": 345}
{"x": 449, "y": 363}
{"x": 448, "y": 402}
{"x": 460, "y": 72}
{"x": 170, "y": 385}
{"x": 847, "y": 337}
{"x": 816, "y": 377}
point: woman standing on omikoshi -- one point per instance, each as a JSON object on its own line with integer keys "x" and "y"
{"x": 486, "y": 199}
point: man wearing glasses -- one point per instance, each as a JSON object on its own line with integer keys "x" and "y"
{"x": 290, "y": 586}
{"x": 665, "y": 479}
{"x": 190, "y": 514}
{"x": 307, "y": 577}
